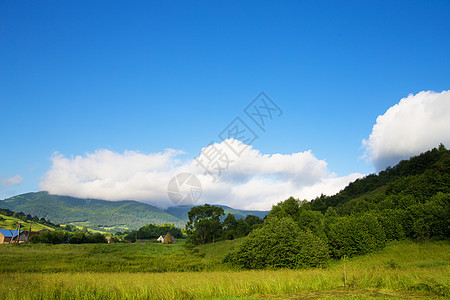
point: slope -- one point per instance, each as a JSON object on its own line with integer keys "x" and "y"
{"x": 421, "y": 176}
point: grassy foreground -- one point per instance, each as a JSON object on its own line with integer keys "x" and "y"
{"x": 402, "y": 270}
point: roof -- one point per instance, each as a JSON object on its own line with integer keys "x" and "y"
{"x": 31, "y": 233}
{"x": 9, "y": 232}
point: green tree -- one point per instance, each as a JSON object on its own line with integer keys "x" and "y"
{"x": 253, "y": 221}
{"x": 354, "y": 235}
{"x": 431, "y": 219}
{"x": 280, "y": 243}
{"x": 392, "y": 221}
{"x": 291, "y": 207}
{"x": 204, "y": 223}
{"x": 314, "y": 221}
{"x": 229, "y": 227}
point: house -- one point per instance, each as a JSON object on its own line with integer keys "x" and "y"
{"x": 6, "y": 235}
{"x": 109, "y": 240}
{"x": 24, "y": 236}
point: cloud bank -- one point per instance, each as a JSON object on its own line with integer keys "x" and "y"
{"x": 414, "y": 125}
{"x": 250, "y": 181}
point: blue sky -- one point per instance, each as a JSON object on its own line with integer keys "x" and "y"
{"x": 76, "y": 77}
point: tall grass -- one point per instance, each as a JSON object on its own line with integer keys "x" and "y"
{"x": 402, "y": 269}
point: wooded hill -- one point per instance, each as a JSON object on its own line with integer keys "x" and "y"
{"x": 408, "y": 201}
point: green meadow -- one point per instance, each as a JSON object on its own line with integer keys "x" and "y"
{"x": 402, "y": 269}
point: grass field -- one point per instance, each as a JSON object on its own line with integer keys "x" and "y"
{"x": 155, "y": 271}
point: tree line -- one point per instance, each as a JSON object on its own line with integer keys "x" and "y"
{"x": 64, "y": 236}
{"x": 151, "y": 231}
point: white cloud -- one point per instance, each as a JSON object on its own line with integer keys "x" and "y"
{"x": 9, "y": 182}
{"x": 251, "y": 181}
{"x": 414, "y": 125}
{"x": 113, "y": 176}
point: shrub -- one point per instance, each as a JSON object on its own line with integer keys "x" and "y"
{"x": 354, "y": 235}
{"x": 392, "y": 221}
{"x": 51, "y": 237}
{"x": 280, "y": 243}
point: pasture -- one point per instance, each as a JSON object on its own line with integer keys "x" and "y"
{"x": 154, "y": 271}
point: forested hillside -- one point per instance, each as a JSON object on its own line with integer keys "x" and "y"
{"x": 425, "y": 175}
{"x": 408, "y": 201}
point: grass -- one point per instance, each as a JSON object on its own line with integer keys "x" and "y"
{"x": 137, "y": 257}
{"x": 11, "y": 223}
{"x": 155, "y": 271}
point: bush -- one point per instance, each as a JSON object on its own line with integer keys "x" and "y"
{"x": 430, "y": 220}
{"x": 51, "y": 237}
{"x": 354, "y": 235}
{"x": 86, "y": 238}
{"x": 392, "y": 221}
{"x": 280, "y": 243}
{"x": 63, "y": 236}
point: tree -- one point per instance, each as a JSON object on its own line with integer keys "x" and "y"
{"x": 392, "y": 221}
{"x": 314, "y": 221}
{"x": 204, "y": 223}
{"x": 280, "y": 243}
{"x": 291, "y": 207}
{"x": 354, "y": 235}
{"x": 153, "y": 231}
{"x": 229, "y": 227}
{"x": 242, "y": 228}
{"x": 253, "y": 221}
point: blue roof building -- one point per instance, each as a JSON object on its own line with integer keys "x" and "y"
{"x": 7, "y": 234}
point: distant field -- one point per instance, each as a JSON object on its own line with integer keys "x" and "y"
{"x": 155, "y": 271}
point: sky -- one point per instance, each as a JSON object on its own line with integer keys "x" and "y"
{"x": 111, "y": 99}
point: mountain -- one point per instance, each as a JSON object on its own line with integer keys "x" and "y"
{"x": 102, "y": 214}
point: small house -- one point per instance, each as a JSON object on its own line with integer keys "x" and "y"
{"x": 24, "y": 236}
{"x": 6, "y": 235}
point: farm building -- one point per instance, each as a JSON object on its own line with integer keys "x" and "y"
{"x": 25, "y": 235}
{"x": 6, "y": 235}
